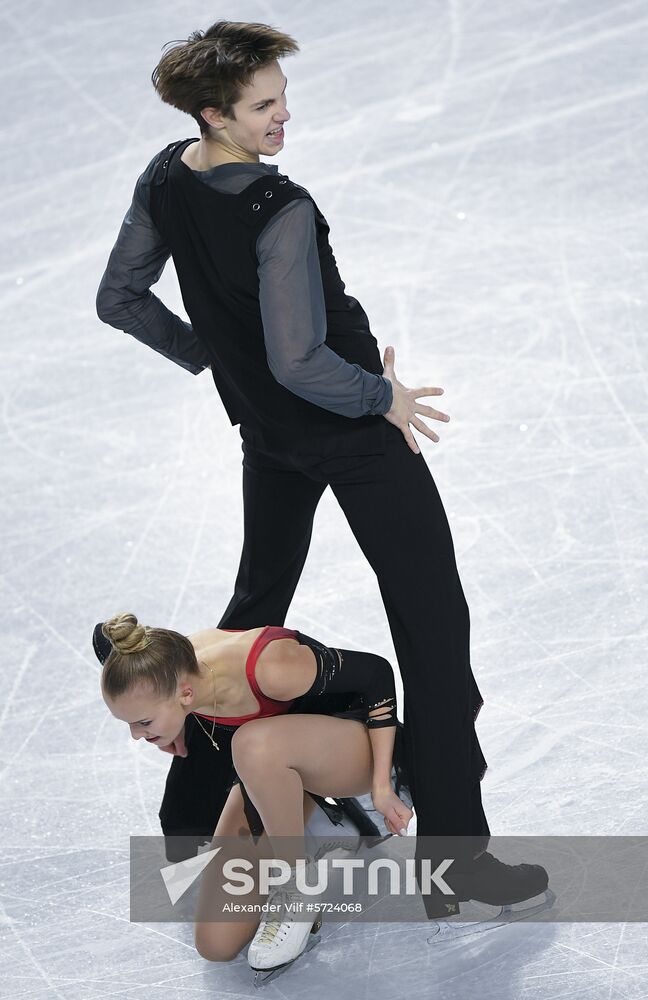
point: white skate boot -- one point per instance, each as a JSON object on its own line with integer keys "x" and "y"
{"x": 281, "y": 938}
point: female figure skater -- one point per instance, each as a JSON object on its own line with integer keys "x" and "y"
{"x": 302, "y": 718}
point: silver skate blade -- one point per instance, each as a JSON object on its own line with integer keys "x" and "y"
{"x": 448, "y": 931}
{"x": 330, "y": 846}
{"x": 263, "y": 976}
{"x": 528, "y": 907}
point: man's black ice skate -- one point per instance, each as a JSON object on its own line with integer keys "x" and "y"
{"x": 352, "y": 810}
{"x": 520, "y": 892}
{"x": 489, "y": 880}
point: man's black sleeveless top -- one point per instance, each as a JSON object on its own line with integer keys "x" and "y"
{"x": 212, "y": 238}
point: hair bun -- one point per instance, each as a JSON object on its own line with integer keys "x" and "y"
{"x": 125, "y": 633}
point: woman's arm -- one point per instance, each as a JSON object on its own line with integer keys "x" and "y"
{"x": 382, "y": 747}
{"x": 314, "y": 669}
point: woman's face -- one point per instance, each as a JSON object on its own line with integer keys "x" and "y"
{"x": 156, "y": 720}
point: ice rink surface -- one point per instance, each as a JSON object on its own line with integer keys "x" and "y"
{"x": 482, "y": 167}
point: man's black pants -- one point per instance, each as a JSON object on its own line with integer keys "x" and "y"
{"x": 395, "y": 512}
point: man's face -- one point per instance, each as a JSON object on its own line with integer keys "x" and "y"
{"x": 261, "y": 108}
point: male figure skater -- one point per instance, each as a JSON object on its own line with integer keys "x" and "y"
{"x": 296, "y": 366}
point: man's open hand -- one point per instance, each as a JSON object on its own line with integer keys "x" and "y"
{"x": 405, "y": 407}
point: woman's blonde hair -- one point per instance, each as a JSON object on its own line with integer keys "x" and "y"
{"x": 142, "y": 654}
{"x": 210, "y": 68}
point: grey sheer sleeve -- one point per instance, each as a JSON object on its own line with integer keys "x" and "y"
{"x": 124, "y": 299}
{"x": 293, "y": 311}
{"x": 352, "y": 670}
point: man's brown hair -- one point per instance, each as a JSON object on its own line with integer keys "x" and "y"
{"x": 210, "y": 68}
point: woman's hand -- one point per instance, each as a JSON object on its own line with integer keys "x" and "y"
{"x": 176, "y": 746}
{"x": 405, "y": 406}
{"x": 395, "y": 813}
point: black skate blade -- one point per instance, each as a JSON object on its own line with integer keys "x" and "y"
{"x": 263, "y": 976}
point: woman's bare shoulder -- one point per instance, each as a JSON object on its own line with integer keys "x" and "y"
{"x": 285, "y": 669}
{"x": 226, "y": 651}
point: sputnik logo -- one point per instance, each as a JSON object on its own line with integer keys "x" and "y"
{"x": 181, "y": 876}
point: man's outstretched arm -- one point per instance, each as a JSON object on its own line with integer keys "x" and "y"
{"x": 293, "y": 312}
{"x": 124, "y": 299}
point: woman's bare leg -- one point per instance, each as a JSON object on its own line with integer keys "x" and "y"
{"x": 278, "y": 758}
{"x": 222, "y": 941}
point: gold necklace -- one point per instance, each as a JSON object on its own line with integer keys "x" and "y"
{"x": 214, "y": 743}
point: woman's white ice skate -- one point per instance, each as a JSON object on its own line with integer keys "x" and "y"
{"x": 282, "y": 937}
